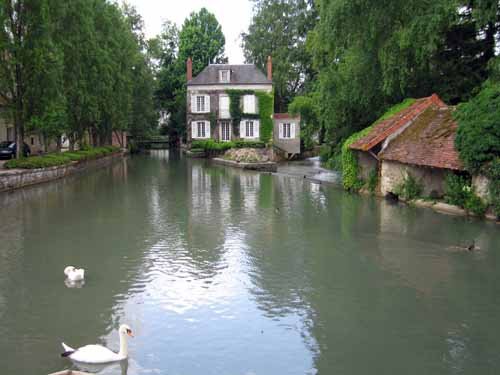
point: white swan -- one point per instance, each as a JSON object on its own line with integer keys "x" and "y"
{"x": 100, "y": 354}
{"x": 74, "y": 274}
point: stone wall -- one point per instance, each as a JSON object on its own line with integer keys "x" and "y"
{"x": 366, "y": 164}
{"x": 18, "y": 178}
{"x": 481, "y": 187}
{"x": 394, "y": 173}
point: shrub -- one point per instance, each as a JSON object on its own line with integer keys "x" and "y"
{"x": 211, "y": 145}
{"x": 492, "y": 171}
{"x": 55, "y": 159}
{"x": 249, "y": 144}
{"x": 373, "y": 180}
{"x": 410, "y": 188}
{"x": 475, "y": 205}
{"x": 456, "y": 189}
{"x": 325, "y": 152}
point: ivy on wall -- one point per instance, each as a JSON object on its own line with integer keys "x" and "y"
{"x": 265, "y": 106}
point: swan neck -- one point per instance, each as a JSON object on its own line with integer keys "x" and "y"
{"x": 123, "y": 346}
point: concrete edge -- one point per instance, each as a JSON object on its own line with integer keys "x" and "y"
{"x": 267, "y": 166}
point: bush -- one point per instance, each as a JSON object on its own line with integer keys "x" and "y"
{"x": 410, "y": 188}
{"x": 249, "y": 144}
{"x": 478, "y": 134}
{"x": 475, "y": 205}
{"x": 325, "y": 152}
{"x": 492, "y": 171}
{"x": 211, "y": 145}
{"x": 456, "y": 189}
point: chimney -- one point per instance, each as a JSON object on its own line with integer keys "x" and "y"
{"x": 189, "y": 69}
{"x": 269, "y": 68}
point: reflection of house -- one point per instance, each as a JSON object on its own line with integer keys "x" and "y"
{"x": 417, "y": 141}
{"x": 208, "y": 103}
{"x": 287, "y": 133}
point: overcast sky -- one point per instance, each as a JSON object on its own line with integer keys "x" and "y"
{"x": 233, "y": 15}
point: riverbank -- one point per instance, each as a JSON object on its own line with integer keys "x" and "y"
{"x": 12, "y": 179}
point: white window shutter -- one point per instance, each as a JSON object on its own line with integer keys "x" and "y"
{"x": 207, "y": 129}
{"x": 194, "y": 130}
{"x": 207, "y": 103}
{"x": 280, "y": 127}
{"x": 256, "y": 129}
{"x": 193, "y": 103}
{"x": 242, "y": 129}
{"x": 252, "y": 103}
{"x": 292, "y": 130}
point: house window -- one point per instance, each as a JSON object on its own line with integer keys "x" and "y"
{"x": 225, "y": 131}
{"x": 249, "y": 104}
{"x": 10, "y": 134}
{"x": 200, "y": 104}
{"x": 287, "y": 130}
{"x": 249, "y": 129}
{"x": 32, "y": 141}
{"x": 224, "y": 76}
{"x": 224, "y": 107}
{"x": 200, "y": 129}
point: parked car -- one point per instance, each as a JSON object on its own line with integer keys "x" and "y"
{"x": 8, "y": 150}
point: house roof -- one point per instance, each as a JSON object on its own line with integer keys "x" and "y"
{"x": 393, "y": 124}
{"x": 245, "y": 74}
{"x": 429, "y": 141}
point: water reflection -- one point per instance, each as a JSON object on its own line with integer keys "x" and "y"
{"x": 223, "y": 271}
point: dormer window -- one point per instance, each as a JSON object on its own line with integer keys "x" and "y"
{"x": 224, "y": 76}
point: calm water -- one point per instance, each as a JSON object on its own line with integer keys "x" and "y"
{"x": 215, "y": 280}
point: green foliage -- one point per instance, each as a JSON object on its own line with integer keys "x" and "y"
{"x": 459, "y": 191}
{"x": 478, "y": 134}
{"x": 373, "y": 180}
{"x": 266, "y": 109}
{"x": 456, "y": 189}
{"x": 55, "y": 159}
{"x": 200, "y": 38}
{"x": 492, "y": 171}
{"x": 349, "y": 160}
{"x": 370, "y": 54}
{"x": 279, "y": 29}
{"x": 211, "y": 145}
{"x": 409, "y": 189}
{"x": 307, "y": 106}
{"x": 249, "y": 144}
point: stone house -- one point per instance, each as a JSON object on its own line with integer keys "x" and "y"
{"x": 417, "y": 141}
{"x": 286, "y": 134}
{"x": 208, "y": 103}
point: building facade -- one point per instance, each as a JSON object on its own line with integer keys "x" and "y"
{"x": 208, "y": 101}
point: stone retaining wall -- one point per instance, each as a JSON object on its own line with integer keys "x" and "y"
{"x": 11, "y": 179}
{"x": 267, "y": 166}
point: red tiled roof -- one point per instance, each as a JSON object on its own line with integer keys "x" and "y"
{"x": 285, "y": 116}
{"x": 429, "y": 141}
{"x": 391, "y": 125}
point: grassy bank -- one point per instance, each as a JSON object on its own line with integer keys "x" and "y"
{"x": 60, "y": 158}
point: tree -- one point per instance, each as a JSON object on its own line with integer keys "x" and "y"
{"x": 371, "y": 55}
{"x": 279, "y": 29}
{"x": 31, "y": 69}
{"x": 200, "y": 38}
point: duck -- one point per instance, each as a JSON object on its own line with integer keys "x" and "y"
{"x": 74, "y": 274}
{"x": 98, "y": 354}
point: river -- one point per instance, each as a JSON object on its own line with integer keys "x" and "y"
{"x": 221, "y": 271}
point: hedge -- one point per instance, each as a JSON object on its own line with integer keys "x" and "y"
{"x": 55, "y": 159}
{"x": 211, "y": 145}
